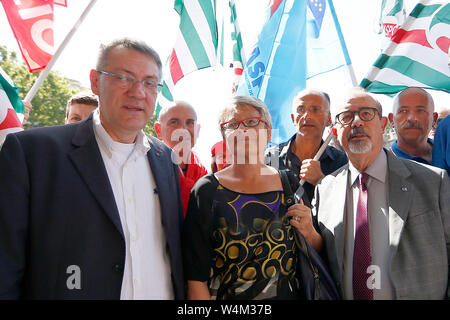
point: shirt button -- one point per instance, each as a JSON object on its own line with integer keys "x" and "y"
{"x": 133, "y": 238}
{"x": 135, "y": 281}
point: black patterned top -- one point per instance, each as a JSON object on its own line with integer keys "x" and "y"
{"x": 242, "y": 244}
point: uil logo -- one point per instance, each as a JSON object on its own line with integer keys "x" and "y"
{"x": 74, "y": 279}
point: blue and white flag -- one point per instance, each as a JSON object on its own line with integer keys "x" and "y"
{"x": 300, "y": 39}
{"x": 325, "y": 44}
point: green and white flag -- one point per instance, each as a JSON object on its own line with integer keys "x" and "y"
{"x": 195, "y": 47}
{"x": 11, "y": 106}
{"x": 417, "y": 54}
{"x": 231, "y": 49}
{"x": 391, "y": 19}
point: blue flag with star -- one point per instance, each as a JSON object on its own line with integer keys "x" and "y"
{"x": 300, "y": 39}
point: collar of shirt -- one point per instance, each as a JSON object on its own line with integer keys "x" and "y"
{"x": 140, "y": 147}
{"x": 395, "y": 149}
{"x": 286, "y": 151}
{"x": 376, "y": 170}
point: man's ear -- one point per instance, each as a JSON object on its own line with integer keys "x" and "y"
{"x": 157, "y": 127}
{"x": 94, "y": 82}
{"x": 435, "y": 117}
{"x": 384, "y": 123}
{"x": 329, "y": 119}
{"x": 391, "y": 119}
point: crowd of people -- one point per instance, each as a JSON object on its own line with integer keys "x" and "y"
{"x": 97, "y": 209}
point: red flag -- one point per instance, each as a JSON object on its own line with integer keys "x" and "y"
{"x": 32, "y": 25}
{"x": 60, "y": 2}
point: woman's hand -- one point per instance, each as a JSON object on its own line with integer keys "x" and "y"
{"x": 302, "y": 221}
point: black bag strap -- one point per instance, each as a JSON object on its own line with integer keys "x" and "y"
{"x": 288, "y": 194}
{"x": 299, "y": 238}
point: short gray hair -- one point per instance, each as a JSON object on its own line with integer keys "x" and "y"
{"x": 248, "y": 101}
{"x": 128, "y": 43}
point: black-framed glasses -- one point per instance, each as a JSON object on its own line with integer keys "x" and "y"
{"x": 365, "y": 114}
{"x": 127, "y": 82}
{"x": 249, "y": 123}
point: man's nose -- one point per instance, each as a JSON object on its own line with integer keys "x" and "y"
{"x": 412, "y": 116}
{"x": 357, "y": 122}
{"x": 138, "y": 90}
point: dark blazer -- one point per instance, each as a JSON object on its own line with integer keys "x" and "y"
{"x": 57, "y": 209}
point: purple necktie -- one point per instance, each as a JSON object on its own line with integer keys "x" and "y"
{"x": 361, "y": 255}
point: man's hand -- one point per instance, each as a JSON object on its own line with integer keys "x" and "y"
{"x": 311, "y": 172}
{"x": 28, "y": 108}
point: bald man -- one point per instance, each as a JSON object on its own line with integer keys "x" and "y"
{"x": 413, "y": 117}
{"x": 178, "y": 128}
{"x": 310, "y": 115}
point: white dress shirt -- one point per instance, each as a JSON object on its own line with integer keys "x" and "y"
{"x": 147, "y": 272}
{"x": 378, "y": 219}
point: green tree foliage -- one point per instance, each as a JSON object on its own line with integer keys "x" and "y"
{"x": 150, "y": 126}
{"x": 49, "y": 103}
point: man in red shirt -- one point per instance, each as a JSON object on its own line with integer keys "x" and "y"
{"x": 177, "y": 126}
{"x": 219, "y": 157}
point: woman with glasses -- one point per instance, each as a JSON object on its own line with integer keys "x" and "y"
{"x": 238, "y": 236}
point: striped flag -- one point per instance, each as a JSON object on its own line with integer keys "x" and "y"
{"x": 392, "y": 16}
{"x": 195, "y": 47}
{"x": 10, "y": 103}
{"x": 418, "y": 53}
{"x": 231, "y": 34}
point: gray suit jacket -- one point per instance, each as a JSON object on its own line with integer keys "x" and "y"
{"x": 419, "y": 226}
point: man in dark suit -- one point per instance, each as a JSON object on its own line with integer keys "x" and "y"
{"x": 92, "y": 210}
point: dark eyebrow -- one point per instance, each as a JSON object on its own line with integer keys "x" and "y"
{"x": 153, "y": 77}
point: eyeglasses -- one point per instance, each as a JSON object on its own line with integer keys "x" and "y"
{"x": 127, "y": 82}
{"x": 314, "y": 110}
{"x": 365, "y": 114}
{"x": 249, "y": 123}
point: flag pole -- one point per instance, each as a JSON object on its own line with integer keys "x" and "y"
{"x": 43, "y": 75}
{"x": 350, "y": 70}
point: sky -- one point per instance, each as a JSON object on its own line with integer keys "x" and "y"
{"x": 155, "y": 22}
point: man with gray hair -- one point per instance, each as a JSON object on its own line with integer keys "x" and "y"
{"x": 413, "y": 117}
{"x": 92, "y": 210}
{"x": 384, "y": 221}
{"x": 178, "y": 128}
{"x": 310, "y": 115}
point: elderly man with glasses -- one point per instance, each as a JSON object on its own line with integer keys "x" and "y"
{"x": 385, "y": 221}
{"x": 92, "y": 210}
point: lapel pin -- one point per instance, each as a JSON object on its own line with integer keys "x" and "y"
{"x": 157, "y": 154}
{"x": 404, "y": 189}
